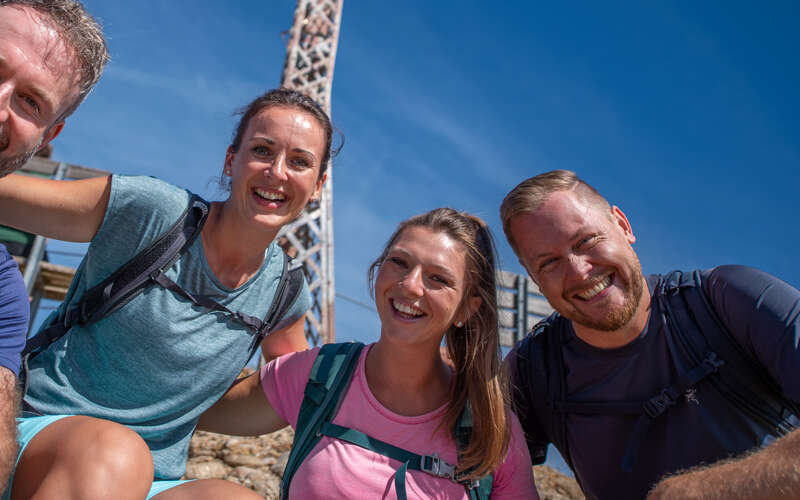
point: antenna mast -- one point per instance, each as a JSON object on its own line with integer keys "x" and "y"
{"x": 310, "y": 57}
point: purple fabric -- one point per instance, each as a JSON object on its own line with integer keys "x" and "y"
{"x": 14, "y": 312}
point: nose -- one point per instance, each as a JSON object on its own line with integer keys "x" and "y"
{"x": 278, "y": 168}
{"x": 578, "y": 266}
{"x": 412, "y": 282}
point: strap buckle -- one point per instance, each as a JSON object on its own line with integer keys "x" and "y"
{"x": 655, "y": 406}
{"x": 435, "y": 466}
{"x": 713, "y": 362}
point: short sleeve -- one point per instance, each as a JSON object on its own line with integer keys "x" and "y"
{"x": 514, "y": 477}
{"x": 301, "y": 304}
{"x": 14, "y": 312}
{"x": 284, "y": 380}
{"x": 763, "y": 314}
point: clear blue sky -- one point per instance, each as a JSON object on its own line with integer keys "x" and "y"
{"x": 685, "y": 114}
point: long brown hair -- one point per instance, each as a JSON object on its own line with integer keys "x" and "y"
{"x": 474, "y": 348}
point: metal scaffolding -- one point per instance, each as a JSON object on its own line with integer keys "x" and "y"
{"x": 310, "y": 57}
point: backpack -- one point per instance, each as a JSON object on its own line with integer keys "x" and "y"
{"x": 327, "y": 384}
{"x": 147, "y": 268}
{"x": 714, "y": 354}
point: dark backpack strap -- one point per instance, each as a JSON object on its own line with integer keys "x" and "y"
{"x": 330, "y": 375}
{"x": 289, "y": 288}
{"x": 129, "y": 280}
{"x": 539, "y": 389}
{"x": 742, "y": 380}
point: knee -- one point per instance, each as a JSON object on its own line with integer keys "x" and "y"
{"x": 113, "y": 458}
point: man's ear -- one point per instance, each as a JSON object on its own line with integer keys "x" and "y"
{"x": 622, "y": 222}
{"x": 51, "y": 133}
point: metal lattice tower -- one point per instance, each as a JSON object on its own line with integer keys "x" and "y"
{"x": 310, "y": 57}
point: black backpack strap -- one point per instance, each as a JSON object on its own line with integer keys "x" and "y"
{"x": 129, "y": 280}
{"x": 479, "y": 489}
{"x": 330, "y": 375}
{"x": 539, "y": 391}
{"x": 742, "y": 380}
{"x": 289, "y": 288}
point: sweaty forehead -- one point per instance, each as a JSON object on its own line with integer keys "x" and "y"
{"x": 33, "y": 37}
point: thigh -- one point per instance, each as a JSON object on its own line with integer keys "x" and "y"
{"x": 82, "y": 457}
{"x": 204, "y": 489}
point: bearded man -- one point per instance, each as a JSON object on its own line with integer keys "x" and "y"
{"x": 51, "y": 55}
{"x": 684, "y": 385}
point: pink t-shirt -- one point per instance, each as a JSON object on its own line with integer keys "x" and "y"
{"x": 336, "y": 469}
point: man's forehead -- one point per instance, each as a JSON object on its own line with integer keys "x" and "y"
{"x": 27, "y": 30}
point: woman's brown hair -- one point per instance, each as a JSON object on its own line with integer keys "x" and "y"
{"x": 473, "y": 348}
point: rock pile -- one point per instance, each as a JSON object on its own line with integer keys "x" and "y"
{"x": 258, "y": 462}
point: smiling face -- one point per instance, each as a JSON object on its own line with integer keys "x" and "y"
{"x": 420, "y": 287}
{"x": 38, "y": 82}
{"x": 275, "y": 171}
{"x": 581, "y": 257}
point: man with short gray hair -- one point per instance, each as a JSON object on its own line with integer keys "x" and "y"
{"x": 51, "y": 55}
{"x": 683, "y": 385}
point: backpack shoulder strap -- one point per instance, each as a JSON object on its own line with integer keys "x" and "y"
{"x": 130, "y": 279}
{"x": 479, "y": 489}
{"x": 289, "y": 287}
{"x": 538, "y": 385}
{"x": 741, "y": 379}
{"x": 325, "y": 389}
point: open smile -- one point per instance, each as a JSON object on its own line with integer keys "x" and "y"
{"x": 269, "y": 197}
{"x": 595, "y": 287}
{"x": 406, "y": 310}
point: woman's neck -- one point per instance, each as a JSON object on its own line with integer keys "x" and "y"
{"x": 234, "y": 251}
{"x": 406, "y": 379}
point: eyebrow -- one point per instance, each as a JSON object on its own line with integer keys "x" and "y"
{"x": 438, "y": 267}
{"x": 271, "y": 141}
{"x": 572, "y": 237}
{"x": 37, "y": 91}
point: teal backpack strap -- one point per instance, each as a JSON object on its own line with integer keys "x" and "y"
{"x": 479, "y": 489}
{"x": 330, "y": 376}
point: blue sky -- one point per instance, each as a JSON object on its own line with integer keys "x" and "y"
{"x": 685, "y": 114}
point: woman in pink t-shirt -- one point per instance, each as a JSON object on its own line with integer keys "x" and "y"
{"x": 435, "y": 279}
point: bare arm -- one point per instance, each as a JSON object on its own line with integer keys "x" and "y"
{"x": 773, "y": 472}
{"x": 9, "y": 409}
{"x": 243, "y": 411}
{"x": 289, "y": 339}
{"x": 65, "y": 210}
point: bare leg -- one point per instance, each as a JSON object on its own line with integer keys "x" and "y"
{"x": 79, "y": 458}
{"x": 208, "y": 489}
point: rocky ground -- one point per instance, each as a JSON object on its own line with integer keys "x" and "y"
{"x": 258, "y": 464}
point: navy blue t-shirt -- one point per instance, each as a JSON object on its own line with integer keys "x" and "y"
{"x": 14, "y": 312}
{"x": 760, "y": 311}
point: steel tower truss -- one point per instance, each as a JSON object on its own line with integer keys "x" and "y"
{"x": 310, "y": 57}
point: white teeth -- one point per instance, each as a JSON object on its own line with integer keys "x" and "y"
{"x": 599, "y": 287}
{"x": 269, "y": 195}
{"x": 406, "y": 308}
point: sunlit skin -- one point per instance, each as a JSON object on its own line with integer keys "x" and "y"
{"x": 419, "y": 294}
{"x": 274, "y": 174}
{"x": 37, "y": 84}
{"x": 581, "y": 257}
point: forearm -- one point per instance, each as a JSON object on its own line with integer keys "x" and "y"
{"x": 243, "y": 411}
{"x": 773, "y": 472}
{"x": 9, "y": 409}
{"x": 65, "y": 210}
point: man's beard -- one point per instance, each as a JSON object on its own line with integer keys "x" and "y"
{"x": 615, "y": 318}
{"x": 9, "y": 164}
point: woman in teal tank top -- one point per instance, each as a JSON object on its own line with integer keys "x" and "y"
{"x": 122, "y": 396}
